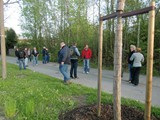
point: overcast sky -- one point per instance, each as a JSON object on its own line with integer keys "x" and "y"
{"x": 12, "y": 17}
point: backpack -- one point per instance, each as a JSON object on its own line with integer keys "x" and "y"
{"x": 72, "y": 51}
{"x": 21, "y": 54}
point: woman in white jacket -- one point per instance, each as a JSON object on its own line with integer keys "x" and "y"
{"x": 137, "y": 59}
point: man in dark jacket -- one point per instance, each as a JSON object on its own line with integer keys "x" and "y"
{"x": 21, "y": 57}
{"x": 64, "y": 61}
{"x": 74, "y": 60}
{"x": 16, "y": 54}
{"x": 44, "y": 54}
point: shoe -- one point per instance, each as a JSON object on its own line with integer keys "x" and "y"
{"x": 76, "y": 77}
{"x": 68, "y": 82}
{"x": 129, "y": 81}
{"x": 72, "y": 77}
{"x": 83, "y": 72}
{"x": 87, "y": 72}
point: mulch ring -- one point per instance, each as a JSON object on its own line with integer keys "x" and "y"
{"x": 90, "y": 113}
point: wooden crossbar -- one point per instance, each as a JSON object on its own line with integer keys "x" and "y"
{"x": 128, "y": 14}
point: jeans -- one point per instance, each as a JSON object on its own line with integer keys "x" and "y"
{"x": 64, "y": 70}
{"x": 35, "y": 60}
{"x": 26, "y": 61}
{"x": 86, "y": 65}
{"x": 74, "y": 64}
{"x": 21, "y": 62}
{"x": 130, "y": 71}
{"x": 44, "y": 59}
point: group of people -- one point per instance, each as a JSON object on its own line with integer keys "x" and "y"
{"x": 69, "y": 55}
{"x": 25, "y": 55}
{"x": 135, "y": 59}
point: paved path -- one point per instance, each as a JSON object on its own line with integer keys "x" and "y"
{"x": 90, "y": 80}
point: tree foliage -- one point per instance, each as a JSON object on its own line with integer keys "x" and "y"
{"x": 47, "y": 22}
{"x": 11, "y": 39}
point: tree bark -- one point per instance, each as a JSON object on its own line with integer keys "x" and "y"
{"x": 100, "y": 51}
{"x": 150, "y": 51}
{"x": 118, "y": 63}
{"x": 3, "y": 45}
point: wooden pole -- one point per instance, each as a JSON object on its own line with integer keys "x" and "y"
{"x": 100, "y": 64}
{"x": 3, "y": 46}
{"x": 118, "y": 62}
{"x": 150, "y": 51}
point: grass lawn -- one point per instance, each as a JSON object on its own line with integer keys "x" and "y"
{"x": 28, "y": 95}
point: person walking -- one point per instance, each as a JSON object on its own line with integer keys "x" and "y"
{"x": 74, "y": 53}
{"x": 44, "y": 54}
{"x": 29, "y": 55}
{"x": 35, "y": 55}
{"x": 86, "y": 55}
{"x": 16, "y": 54}
{"x": 47, "y": 56}
{"x": 26, "y": 57}
{"x": 21, "y": 57}
{"x": 137, "y": 64}
{"x": 64, "y": 61}
{"x": 130, "y": 63}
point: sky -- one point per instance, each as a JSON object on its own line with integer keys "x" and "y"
{"x": 12, "y": 17}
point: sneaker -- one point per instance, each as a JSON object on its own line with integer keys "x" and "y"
{"x": 87, "y": 72}
{"x": 68, "y": 82}
{"x": 76, "y": 77}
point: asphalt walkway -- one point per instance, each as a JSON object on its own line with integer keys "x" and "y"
{"x": 90, "y": 80}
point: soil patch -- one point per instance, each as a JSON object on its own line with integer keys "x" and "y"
{"x": 90, "y": 113}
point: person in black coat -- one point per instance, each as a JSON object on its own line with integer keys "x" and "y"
{"x": 130, "y": 63}
{"x": 16, "y": 54}
{"x": 64, "y": 61}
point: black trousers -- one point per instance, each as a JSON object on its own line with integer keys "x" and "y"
{"x": 135, "y": 75}
{"x": 74, "y": 65}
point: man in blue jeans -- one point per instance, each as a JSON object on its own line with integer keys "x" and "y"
{"x": 21, "y": 57}
{"x": 64, "y": 61}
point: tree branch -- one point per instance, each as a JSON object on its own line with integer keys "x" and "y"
{"x": 8, "y": 2}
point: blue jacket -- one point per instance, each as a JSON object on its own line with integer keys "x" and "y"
{"x": 63, "y": 55}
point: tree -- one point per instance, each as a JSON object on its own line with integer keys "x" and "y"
{"x": 3, "y": 46}
{"x": 118, "y": 62}
{"x": 11, "y": 39}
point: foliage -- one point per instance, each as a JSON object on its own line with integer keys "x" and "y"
{"x": 48, "y": 22}
{"x": 11, "y": 38}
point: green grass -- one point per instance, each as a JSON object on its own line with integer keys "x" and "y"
{"x": 28, "y": 95}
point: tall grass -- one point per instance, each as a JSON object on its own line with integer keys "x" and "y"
{"x": 27, "y": 95}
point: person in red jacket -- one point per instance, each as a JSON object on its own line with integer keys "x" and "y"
{"x": 86, "y": 55}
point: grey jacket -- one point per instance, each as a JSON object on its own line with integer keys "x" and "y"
{"x": 137, "y": 59}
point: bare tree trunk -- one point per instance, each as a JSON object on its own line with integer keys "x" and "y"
{"x": 3, "y": 45}
{"x": 100, "y": 51}
{"x": 150, "y": 51}
{"x": 118, "y": 62}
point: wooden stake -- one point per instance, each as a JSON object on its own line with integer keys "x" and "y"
{"x": 3, "y": 46}
{"x": 100, "y": 65}
{"x": 150, "y": 51}
{"x": 118, "y": 62}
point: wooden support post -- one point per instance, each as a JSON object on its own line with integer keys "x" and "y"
{"x": 3, "y": 46}
{"x": 100, "y": 64}
{"x": 150, "y": 51}
{"x": 118, "y": 62}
